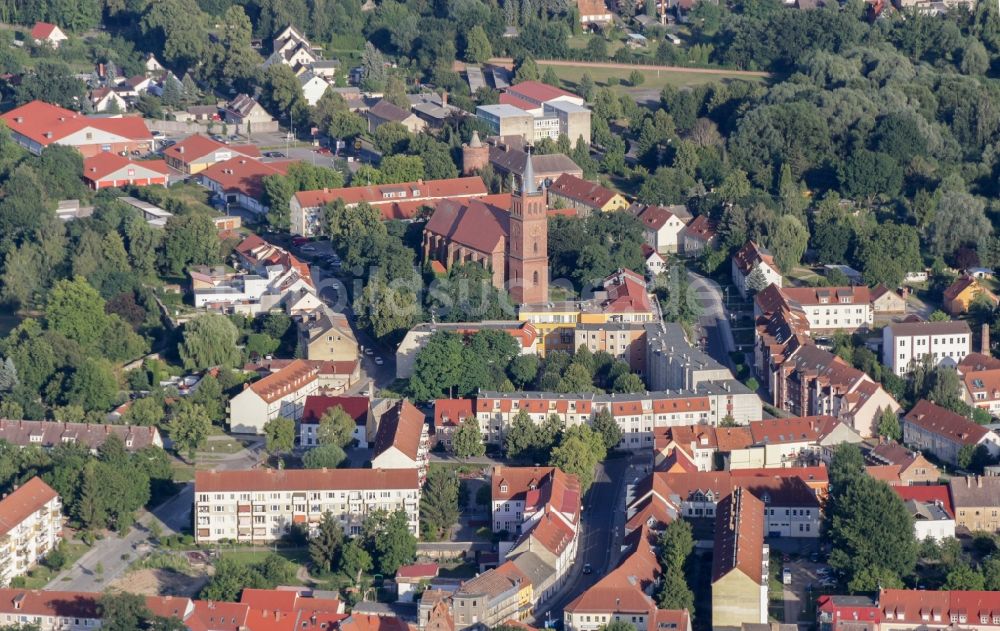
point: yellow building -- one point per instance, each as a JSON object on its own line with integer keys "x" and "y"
{"x": 963, "y": 292}
{"x": 585, "y": 197}
{"x": 739, "y": 562}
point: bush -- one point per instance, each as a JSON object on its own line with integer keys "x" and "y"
{"x": 752, "y": 384}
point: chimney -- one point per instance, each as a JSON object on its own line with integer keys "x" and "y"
{"x": 180, "y": 149}
{"x": 985, "y": 340}
{"x": 444, "y": 98}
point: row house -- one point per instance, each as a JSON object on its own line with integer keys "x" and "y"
{"x": 931, "y": 428}
{"x": 493, "y": 597}
{"x": 740, "y": 562}
{"x": 50, "y": 434}
{"x": 750, "y": 259}
{"x": 825, "y": 309}
{"x": 260, "y": 505}
{"x": 358, "y": 408}
{"x": 907, "y": 344}
{"x": 282, "y": 393}
{"x": 903, "y": 609}
{"x": 909, "y": 467}
{"x": 976, "y": 502}
{"x": 402, "y": 440}
{"x": 31, "y": 523}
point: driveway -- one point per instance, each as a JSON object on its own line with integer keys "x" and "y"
{"x": 797, "y": 595}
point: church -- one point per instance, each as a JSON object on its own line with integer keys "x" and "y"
{"x": 512, "y": 244}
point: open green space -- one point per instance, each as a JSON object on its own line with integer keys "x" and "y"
{"x": 654, "y": 79}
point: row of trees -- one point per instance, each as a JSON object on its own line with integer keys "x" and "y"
{"x": 385, "y": 544}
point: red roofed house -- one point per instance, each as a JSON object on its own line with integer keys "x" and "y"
{"x": 981, "y": 388}
{"x": 536, "y": 94}
{"x": 901, "y": 609}
{"x": 699, "y": 234}
{"x": 911, "y": 466}
{"x": 930, "y": 506}
{"x": 402, "y": 440}
{"x": 960, "y": 295}
{"x": 739, "y": 562}
{"x": 30, "y": 527}
{"x": 282, "y": 393}
{"x": 46, "y": 33}
{"x": 846, "y": 613}
{"x": 753, "y": 258}
{"x": 449, "y": 414}
{"x": 240, "y": 180}
{"x": 358, "y": 408}
{"x": 409, "y": 577}
{"x": 792, "y": 442}
{"x": 37, "y": 125}
{"x": 196, "y": 153}
{"x": 586, "y": 197}
{"x": 51, "y": 610}
{"x": 662, "y": 225}
{"x": 593, "y": 12}
{"x": 939, "y": 431}
{"x": 110, "y": 170}
{"x": 394, "y": 201}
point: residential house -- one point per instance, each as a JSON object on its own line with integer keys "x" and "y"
{"x": 911, "y": 467}
{"x": 31, "y": 522}
{"x": 313, "y": 87}
{"x": 960, "y": 295}
{"x": 50, "y": 434}
{"x": 939, "y": 431}
{"x": 930, "y": 506}
{"x": 152, "y": 65}
{"x": 791, "y": 442}
{"x": 449, "y": 414}
{"x": 739, "y": 562}
{"x": 334, "y": 377}
{"x": 402, "y": 440}
{"x": 492, "y": 598}
{"x": 433, "y": 108}
{"x": 846, "y": 613}
{"x": 662, "y": 225}
{"x": 594, "y": 12}
{"x": 901, "y": 609}
{"x": 46, "y": 33}
{"x": 394, "y": 201}
{"x": 825, "y": 309}
{"x": 196, "y": 153}
{"x": 753, "y": 258}
{"x": 385, "y": 112}
{"x": 700, "y": 233}
{"x": 291, "y": 48}
{"x": 655, "y": 262}
{"x": 907, "y": 344}
{"x": 417, "y": 337}
{"x": 358, "y": 408}
{"x": 110, "y": 170}
{"x": 510, "y": 489}
{"x": 37, "y": 125}
{"x": 250, "y": 115}
{"x": 886, "y": 301}
{"x": 410, "y": 577}
{"x": 976, "y": 502}
{"x": 103, "y": 100}
{"x": 585, "y": 197}
{"x": 282, "y": 393}
{"x": 239, "y": 181}
{"x": 327, "y": 335}
{"x": 699, "y": 443}
{"x": 981, "y": 389}
{"x": 260, "y": 505}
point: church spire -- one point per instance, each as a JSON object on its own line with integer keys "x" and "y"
{"x": 528, "y": 179}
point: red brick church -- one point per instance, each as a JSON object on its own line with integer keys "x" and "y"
{"x": 512, "y": 243}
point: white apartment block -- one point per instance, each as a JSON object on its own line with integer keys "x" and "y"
{"x": 282, "y": 393}
{"x": 260, "y": 505}
{"x": 834, "y": 308}
{"x": 31, "y": 522}
{"x": 905, "y": 344}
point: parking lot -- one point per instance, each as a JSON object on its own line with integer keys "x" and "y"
{"x": 806, "y": 584}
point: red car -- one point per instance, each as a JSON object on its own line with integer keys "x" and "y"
{"x": 297, "y": 241}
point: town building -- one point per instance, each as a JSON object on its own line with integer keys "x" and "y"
{"x": 37, "y": 125}
{"x": 673, "y": 363}
{"x": 334, "y": 377}
{"x": 509, "y": 159}
{"x": 384, "y": 112}
{"x": 910, "y": 467}
{"x": 107, "y": 100}
{"x": 625, "y": 341}
{"x": 700, "y": 233}
{"x": 846, "y": 613}
{"x": 901, "y": 609}
{"x": 885, "y": 301}
{"x": 433, "y": 108}
{"x": 410, "y": 577}
{"x": 417, "y": 337}
{"x": 960, "y": 295}
{"x": 239, "y": 181}
{"x": 514, "y": 244}
{"x": 753, "y": 258}
{"x": 594, "y": 12}
{"x": 534, "y": 111}
{"x": 282, "y": 393}
{"x": 110, "y": 170}
{"x": 662, "y": 225}
{"x": 981, "y": 389}
{"x": 196, "y": 153}
{"x": 825, "y": 309}
{"x": 358, "y": 408}
{"x": 740, "y": 561}
{"x": 907, "y": 344}
{"x": 402, "y": 440}
{"x": 260, "y": 505}
{"x": 655, "y": 262}
{"x": 976, "y": 502}
{"x": 584, "y": 197}
{"x": 394, "y": 201}
{"x": 313, "y": 87}
{"x": 493, "y": 597}
{"x": 249, "y": 115}
{"x": 943, "y": 433}
{"x": 50, "y": 434}
{"x": 449, "y": 414}
{"x": 791, "y": 442}
{"x": 31, "y": 522}
{"x": 49, "y": 34}
{"x": 291, "y": 48}
{"x": 326, "y": 336}
{"x": 930, "y": 506}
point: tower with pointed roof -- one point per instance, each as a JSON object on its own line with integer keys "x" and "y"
{"x": 528, "y": 258}
{"x": 475, "y": 155}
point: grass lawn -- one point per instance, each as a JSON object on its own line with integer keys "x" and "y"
{"x": 183, "y": 472}
{"x": 654, "y": 79}
{"x": 465, "y": 570}
{"x": 776, "y": 590}
{"x": 40, "y": 576}
{"x": 459, "y": 467}
{"x": 804, "y": 275}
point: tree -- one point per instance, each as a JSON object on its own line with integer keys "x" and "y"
{"x": 468, "y": 439}
{"x": 121, "y": 611}
{"x": 92, "y": 385}
{"x": 579, "y": 452}
{"x": 605, "y": 425}
{"x": 76, "y": 310}
{"x": 630, "y": 383}
{"x": 789, "y": 242}
{"x": 283, "y": 97}
{"x": 527, "y": 70}
{"x": 888, "y": 425}
{"x": 189, "y": 427}
{"x": 439, "y": 503}
{"x": 387, "y": 536}
{"x": 963, "y": 577}
{"x": 549, "y": 77}
{"x": 326, "y": 545}
{"x": 209, "y": 340}
{"x": 278, "y": 190}
{"x": 336, "y": 427}
{"x": 675, "y": 592}
{"x": 523, "y": 370}
{"x": 636, "y": 78}
{"x": 373, "y": 71}
{"x": 868, "y": 174}
{"x": 888, "y": 253}
{"x": 355, "y": 561}
{"x": 478, "y": 49}
{"x": 324, "y": 457}
{"x": 438, "y": 367}
{"x": 279, "y": 433}
{"x": 522, "y": 436}
{"x": 189, "y": 240}
{"x": 146, "y": 412}
{"x": 756, "y": 280}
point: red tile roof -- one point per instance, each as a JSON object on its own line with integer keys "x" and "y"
{"x": 470, "y": 222}
{"x": 101, "y": 165}
{"x": 888, "y": 473}
{"x": 507, "y": 98}
{"x": 46, "y": 124}
{"x": 317, "y": 404}
{"x": 930, "y": 493}
{"x": 951, "y": 426}
{"x": 623, "y": 589}
{"x": 362, "y": 622}
{"x": 400, "y": 427}
{"x": 750, "y": 255}
{"x": 289, "y": 379}
{"x": 655, "y": 217}
{"x": 515, "y": 482}
{"x": 42, "y": 30}
{"x": 418, "y": 571}
{"x": 452, "y": 412}
{"x": 538, "y": 91}
{"x": 49, "y": 603}
{"x": 626, "y": 293}
{"x": 581, "y": 191}
{"x": 244, "y": 175}
{"x": 978, "y": 361}
{"x": 197, "y": 146}
{"x": 218, "y": 616}
{"x": 960, "y": 285}
{"x": 23, "y": 501}
{"x": 792, "y": 430}
{"x": 809, "y": 475}
{"x": 828, "y": 295}
{"x": 739, "y": 537}
{"x": 304, "y": 479}
{"x": 408, "y": 195}
{"x": 908, "y": 606}
{"x": 701, "y": 228}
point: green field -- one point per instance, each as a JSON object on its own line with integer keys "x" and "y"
{"x": 655, "y": 79}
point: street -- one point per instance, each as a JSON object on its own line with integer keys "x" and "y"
{"x": 714, "y": 320}
{"x": 804, "y": 576}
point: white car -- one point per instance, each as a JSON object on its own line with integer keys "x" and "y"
{"x": 369, "y": 352}
{"x": 378, "y": 361}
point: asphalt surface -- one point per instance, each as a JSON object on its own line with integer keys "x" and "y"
{"x": 797, "y": 593}
{"x": 115, "y": 553}
{"x": 714, "y": 320}
{"x": 601, "y": 530}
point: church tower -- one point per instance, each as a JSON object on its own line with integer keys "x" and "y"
{"x": 528, "y": 242}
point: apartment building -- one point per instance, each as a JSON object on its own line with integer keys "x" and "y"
{"x": 740, "y": 560}
{"x": 911, "y": 467}
{"x": 976, "y": 502}
{"x": 753, "y": 258}
{"x": 906, "y": 344}
{"x": 282, "y": 393}
{"x": 585, "y": 197}
{"x": 51, "y": 434}
{"x": 260, "y": 505}
{"x": 492, "y": 597}
{"x": 791, "y": 442}
{"x": 327, "y": 336}
{"x": 931, "y": 509}
{"x": 904, "y": 609}
{"x": 31, "y": 523}
{"x": 931, "y": 428}
{"x": 673, "y": 363}
{"x": 402, "y": 440}
{"x": 825, "y": 309}
{"x": 358, "y": 408}
{"x": 625, "y": 341}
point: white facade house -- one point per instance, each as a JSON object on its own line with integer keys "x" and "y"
{"x": 260, "y": 505}
{"x": 753, "y": 258}
{"x": 830, "y": 309}
{"x": 313, "y": 87}
{"x": 282, "y": 393}
{"x": 31, "y": 524}
{"x": 905, "y": 344}
{"x": 662, "y": 225}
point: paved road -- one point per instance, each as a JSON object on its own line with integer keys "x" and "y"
{"x": 600, "y": 537}
{"x": 803, "y": 576}
{"x": 115, "y": 553}
{"x": 714, "y": 319}
{"x": 507, "y": 62}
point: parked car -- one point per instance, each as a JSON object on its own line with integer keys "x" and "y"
{"x": 369, "y": 352}
{"x": 587, "y": 568}
{"x": 308, "y": 248}
{"x": 300, "y": 240}
{"x": 378, "y": 361}
{"x": 786, "y": 576}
